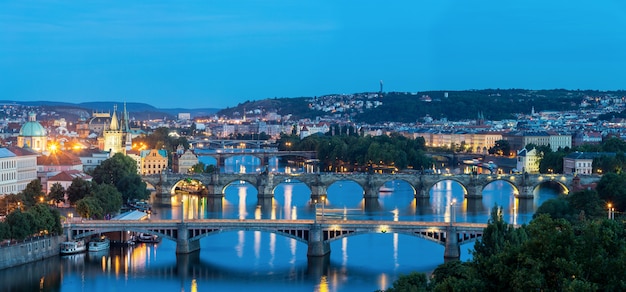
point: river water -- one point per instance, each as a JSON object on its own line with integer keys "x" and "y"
{"x": 245, "y": 260}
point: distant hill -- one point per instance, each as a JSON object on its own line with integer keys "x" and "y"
{"x": 136, "y": 110}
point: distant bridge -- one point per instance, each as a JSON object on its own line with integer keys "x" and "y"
{"x": 214, "y": 185}
{"x": 263, "y": 155}
{"x": 317, "y": 234}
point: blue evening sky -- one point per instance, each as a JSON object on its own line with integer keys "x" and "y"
{"x": 220, "y": 53}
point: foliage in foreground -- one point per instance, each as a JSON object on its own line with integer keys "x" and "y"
{"x": 548, "y": 254}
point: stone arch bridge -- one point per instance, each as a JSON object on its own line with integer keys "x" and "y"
{"x": 214, "y": 185}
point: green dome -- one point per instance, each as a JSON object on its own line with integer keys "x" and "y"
{"x": 32, "y": 128}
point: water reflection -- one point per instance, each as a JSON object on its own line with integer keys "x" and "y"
{"x": 243, "y": 260}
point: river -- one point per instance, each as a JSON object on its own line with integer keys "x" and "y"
{"x": 246, "y": 260}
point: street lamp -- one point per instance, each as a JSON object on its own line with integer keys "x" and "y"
{"x": 611, "y": 211}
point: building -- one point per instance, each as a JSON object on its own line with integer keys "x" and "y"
{"x": 8, "y": 172}
{"x": 581, "y": 162}
{"x": 528, "y": 161}
{"x": 26, "y": 166}
{"x": 65, "y": 178}
{"x": 18, "y": 167}
{"x": 55, "y": 162}
{"x": 91, "y": 158}
{"x": 153, "y": 161}
{"x": 183, "y": 162}
{"x": 519, "y": 140}
{"x": 33, "y": 135}
{"x": 114, "y": 136}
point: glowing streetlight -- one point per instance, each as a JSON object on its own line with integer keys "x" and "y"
{"x": 611, "y": 211}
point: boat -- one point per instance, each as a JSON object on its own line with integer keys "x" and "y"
{"x": 148, "y": 238}
{"x": 73, "y": 247}
{"x": 102, "y": 243}
{"x": 385, "y": 189}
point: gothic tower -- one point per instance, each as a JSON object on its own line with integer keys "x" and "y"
{"x": 113, "y": 136}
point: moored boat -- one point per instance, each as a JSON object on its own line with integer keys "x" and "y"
{"x": 102, "y": 243}
{"x": 73, "y": 246}
{"x": 148, "y": 238}
{"x": 386, "y": 189}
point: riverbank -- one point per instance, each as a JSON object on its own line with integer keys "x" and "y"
{"x": 13, "y": 254}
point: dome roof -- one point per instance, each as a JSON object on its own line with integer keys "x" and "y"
{"x": 32, "y": 128}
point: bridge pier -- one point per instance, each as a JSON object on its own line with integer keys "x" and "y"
{"x": 266, "y": 205}
{"x": 525, "y": 192}
{"x": 183, "y": 244}
{"x": 474, "y": 192}
{"x": 422, "y": 193}
{"x": 372, "y": 205}
{"x": 317, "y": 246}
{"x": 452, "y": 248}
{"x": 318, "y": 266}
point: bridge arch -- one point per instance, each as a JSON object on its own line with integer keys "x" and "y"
{"x": 516, "y": 189}
{"x": 465, "y": 188}
{"x": 299, "y": 235}
{"x": 555, "y": 185}
{"x": 167, "y": 234}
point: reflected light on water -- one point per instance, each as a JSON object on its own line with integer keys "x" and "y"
{"x": 383, "y": 281}
{"x": 395, "y": 250}
{"x": 272, "y": 248}
{"x": 241, "y": 239}
{"x": 288, "y": 192}
{"x": 344, "y": 250}
{"x": 242, "y": 202}
{"x": 257, "y": 244}
{"x": 323, "y": 285}
{"x": 194, "y": 285}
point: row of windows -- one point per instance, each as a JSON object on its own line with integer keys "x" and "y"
{"x": 8, "y": 189}
{"x": 8, "y": 164}
{"x": 584, "y": 164}
{"x": 8, "y": 176}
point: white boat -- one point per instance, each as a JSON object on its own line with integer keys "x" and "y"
{"x": 385, "y": 189}
{"x": 148, "y": 238}
{"x": 99, "y": 244}
{"x": 72, "y": 247}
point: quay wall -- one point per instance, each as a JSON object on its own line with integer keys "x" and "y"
{"x": 29, "y": 250}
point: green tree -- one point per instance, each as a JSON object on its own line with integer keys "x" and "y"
{"x": 45, "y": 220}
{"x": 5, "y": 231}
{"x": 612, "y": 189}
{"x": 57, "y": 194}
{"x": 198, "y": 167}
{"x": 413, "y": 282}
{"x": 78, "y": 190}
{"x": 112, "y": 170}
{"x": 20, "y": 224}
{"x": 501, "y": 147}
{"x": 31, "y": 194}
{"x": 132, "y": 188}
{"x": 89, "y": 207}
{"x": 109, "y": 199}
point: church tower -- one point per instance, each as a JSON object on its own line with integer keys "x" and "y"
{"x": 129, "y": 142}
{"x": 113, "y": 136}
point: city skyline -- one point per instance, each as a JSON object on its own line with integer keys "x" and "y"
{"x": 216, "y": 55}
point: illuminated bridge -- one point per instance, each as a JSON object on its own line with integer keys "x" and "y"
{"x": 317, "y": 234}
{"x": 214, "y": 185}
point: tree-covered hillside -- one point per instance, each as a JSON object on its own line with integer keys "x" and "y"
{"x": 492, "y": 104}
